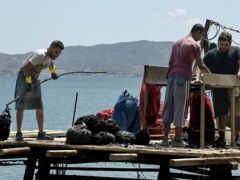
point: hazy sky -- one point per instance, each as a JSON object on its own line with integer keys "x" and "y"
{"x": 27, "y": 25}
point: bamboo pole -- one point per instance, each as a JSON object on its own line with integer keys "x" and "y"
{"x": 204, "y": 161}
{"x": 14, "y": 151}
{"x": 61, "y": 153}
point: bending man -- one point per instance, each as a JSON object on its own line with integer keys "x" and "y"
{"x": 29, "y": 89}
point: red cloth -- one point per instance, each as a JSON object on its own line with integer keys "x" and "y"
{"x": 105, "y": 114}
{"x": 154, "y": 110}
{"x": 194, "y": 122}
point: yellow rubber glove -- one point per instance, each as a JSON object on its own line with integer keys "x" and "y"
{"x": 29, "y": 83}
{"x": 53, "y": 72}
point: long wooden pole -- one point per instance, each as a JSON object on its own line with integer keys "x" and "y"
{"x": 204, "y": 42}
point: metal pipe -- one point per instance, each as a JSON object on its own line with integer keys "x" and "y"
{"x": 63, "y": 74}
{"x": 75, "y": 106}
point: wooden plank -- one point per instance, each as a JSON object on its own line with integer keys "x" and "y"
{"x": 153, "y": 149}
{"x": 14, "y": 151}
{"x": 61, "y": 153}
{"x": 220, "y": 80}
{"x": 34, "y": 133}
{"x": 203, "y": 161}
{"x": 123, "y": 157}
{"x": 155, "y": 74}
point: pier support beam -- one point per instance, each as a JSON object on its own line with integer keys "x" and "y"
{"x": 220, "y": 172}
{"x": 30, "y": 167}
{"x": 164, "y": 172}
{"x": 43, "y": 168}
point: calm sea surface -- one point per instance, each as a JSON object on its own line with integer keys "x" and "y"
{"x": 95, "y": 93}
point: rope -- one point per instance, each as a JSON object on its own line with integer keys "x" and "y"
{"x": 224, "y": 28}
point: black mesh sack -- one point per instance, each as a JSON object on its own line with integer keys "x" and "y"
{"x": 78, "y": 135}
{"x": 5, "y": 122}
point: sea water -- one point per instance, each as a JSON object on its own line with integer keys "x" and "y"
{"x": 95, "y": 93}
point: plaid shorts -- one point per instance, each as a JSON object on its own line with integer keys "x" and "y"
{"x": 27, "y": 100}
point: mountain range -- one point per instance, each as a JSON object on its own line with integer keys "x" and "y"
{"x": 123, "y": 58}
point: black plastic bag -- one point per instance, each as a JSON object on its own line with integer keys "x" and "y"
{"x": 5, "y": 122}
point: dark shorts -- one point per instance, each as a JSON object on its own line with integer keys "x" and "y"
{"x": 27, "y": 100}
{"x": 220, "y": 102}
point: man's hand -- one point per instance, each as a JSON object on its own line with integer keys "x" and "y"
{"x": 238, "y": 75}
{"x": 29, "y": 87}
{"x": 54, "y": 76}
{"x": 195, "y": 79}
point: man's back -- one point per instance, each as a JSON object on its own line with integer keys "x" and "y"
{"x": 184, "y": 52}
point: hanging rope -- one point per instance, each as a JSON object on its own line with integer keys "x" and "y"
{"x": 219, "y": 26}
{"x": 217, "y": 32}
{"x": 224, "y": 27}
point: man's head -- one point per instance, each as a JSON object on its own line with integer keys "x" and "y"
{"x": 55, "y": 49}
{"x": 197, "y": 32}
{"x": 224, "y": 41}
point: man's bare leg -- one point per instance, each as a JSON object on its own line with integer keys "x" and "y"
{"x": 166, "y": 131}
{"x": 40, "y": 119}
{"x": 178, "y": 133}
{"x": 19, "y": 117}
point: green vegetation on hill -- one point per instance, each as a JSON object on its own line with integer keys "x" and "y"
{"x": 124, "y": 58}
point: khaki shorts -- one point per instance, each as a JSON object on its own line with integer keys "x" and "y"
{"x": 177, "y": 95}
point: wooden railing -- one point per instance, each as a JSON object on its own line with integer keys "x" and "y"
{"x": 157, "y": 75}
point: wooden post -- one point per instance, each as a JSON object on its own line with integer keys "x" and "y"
{"x": 146, "y": 97}
{"x": 204, "y": 42}
{"x": 164, "y": 172}
{"x": 232, "y": 114}
{"x": 43, "y": 168}
{"x": 202, "y": 115}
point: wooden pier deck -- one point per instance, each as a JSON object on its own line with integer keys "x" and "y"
{"x": 40, "y": 156}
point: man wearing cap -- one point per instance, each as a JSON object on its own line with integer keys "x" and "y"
{"x": 224, "y": 59}
{"x": 28, "y": 87}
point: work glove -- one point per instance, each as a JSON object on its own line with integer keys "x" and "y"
{"x": 29, "y": 87}
{"x": 53, "y": 72}
{"x": 54, "y": 76}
